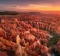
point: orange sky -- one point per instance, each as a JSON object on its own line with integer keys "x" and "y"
{"x": 30, "y": 5}
{"x": 33, "y": 7}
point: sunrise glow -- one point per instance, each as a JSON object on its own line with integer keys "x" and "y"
{"x": 22, "y": 5}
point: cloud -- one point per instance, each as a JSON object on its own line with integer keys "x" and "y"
{"x": 30, "y": 7}
{"x": 25, "y": 2}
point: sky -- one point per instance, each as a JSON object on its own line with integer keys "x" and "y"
{"x": 30, "y": 5}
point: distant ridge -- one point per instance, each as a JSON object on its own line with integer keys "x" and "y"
{"x": 8, "y": 13}
{"x": 34, "y": 13}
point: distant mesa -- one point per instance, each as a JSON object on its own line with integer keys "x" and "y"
{"x": 16, "y": 13}
{"x": 8, "y": 13}
{"x": 34, "y": 13}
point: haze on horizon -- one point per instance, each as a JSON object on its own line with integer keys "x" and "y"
{"x": 30, "y": 5}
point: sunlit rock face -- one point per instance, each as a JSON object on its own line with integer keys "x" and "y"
{"x": 28, "y": 35}
{"x": 20, "y": 50}
{"x": 58, "y": 30}
{"x": 2, "y": 21}
{"x": 2, "y": 32}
